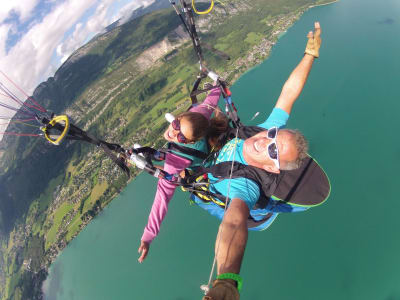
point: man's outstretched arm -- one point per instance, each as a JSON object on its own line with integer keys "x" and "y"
{"x": 297, "y": 79}
{"x": 229, "y": 250}
{"x": 232, "y": 238}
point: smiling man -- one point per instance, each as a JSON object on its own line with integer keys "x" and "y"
{"x": 264, "y": 150}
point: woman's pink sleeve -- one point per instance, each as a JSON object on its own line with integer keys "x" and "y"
{"x": 165, "y": 190}
{"x": 174, "y": 164}
{"x": 207, "y": 107}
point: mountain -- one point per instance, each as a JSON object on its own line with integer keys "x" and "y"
{"x": 85, "y": 66}
{"x": 142, "y": 10}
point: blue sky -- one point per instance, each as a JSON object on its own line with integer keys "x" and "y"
{"x": 37, "y": 36}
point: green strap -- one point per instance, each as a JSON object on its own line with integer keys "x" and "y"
{"x": 232, "y": 276}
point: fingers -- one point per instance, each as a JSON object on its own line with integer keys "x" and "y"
{"x": 314, "y": 41}
{"x": 317, "y": 30}
{"x": 141, "y": 258}
{"x": 144, "y": 254}
{"x": 144, "y": 250}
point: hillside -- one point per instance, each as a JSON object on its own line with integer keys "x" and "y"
{"x": 118, "y": 87}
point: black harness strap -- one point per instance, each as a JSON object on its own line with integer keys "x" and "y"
{"x": 192, "y": 31}
{"x": 120, "y": 163}
{"x": 190, "y": 27}
{"x": 75, "y": 133}
{"x": 308, "y": 185}
{"x": 267, "y": 182}
{"x": 187, "y": 150}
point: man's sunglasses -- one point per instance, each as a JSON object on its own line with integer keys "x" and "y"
{"x": 273, "y": 147}
{"x": 176, "y": 125}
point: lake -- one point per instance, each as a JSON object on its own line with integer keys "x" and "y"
{"x": 348, "y": 248}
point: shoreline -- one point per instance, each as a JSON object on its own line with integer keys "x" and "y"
{"x": 323, "y": 4}
{"x": 281, "y": 34}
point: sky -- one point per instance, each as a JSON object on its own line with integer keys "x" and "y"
{"x": 37, "y": 36}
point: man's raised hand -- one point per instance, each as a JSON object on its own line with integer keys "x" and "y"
{"x": 314, "y": 41}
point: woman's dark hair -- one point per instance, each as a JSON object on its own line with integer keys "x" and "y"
{"x": 218, "y": 126}
{"x": 199, "y": 124}
{"x": 202, "y": 127}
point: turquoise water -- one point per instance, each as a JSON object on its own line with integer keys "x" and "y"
{"x": 346, "y": 249}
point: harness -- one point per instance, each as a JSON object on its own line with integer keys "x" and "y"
{"x": 306, "y": 186}
{"x": 188, "y": 22}
{"x": 187, "y": 150}
{"x": 58, "y": 128}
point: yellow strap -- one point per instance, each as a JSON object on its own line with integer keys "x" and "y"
{"x": 53, "y": 121}
{"x": 203, "y": 12}
{"x": 207, "y": 197}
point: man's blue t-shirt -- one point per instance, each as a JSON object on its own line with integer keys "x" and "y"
{"x": 243, "y": 188}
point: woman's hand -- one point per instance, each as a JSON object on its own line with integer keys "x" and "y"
{"x": 144, "y": 250}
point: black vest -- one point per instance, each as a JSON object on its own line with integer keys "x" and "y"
{"x": 305, "y": 186}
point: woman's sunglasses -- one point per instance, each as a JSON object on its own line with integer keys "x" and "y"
{"x": 176, "y": 125}
{"x": 273, "y": 147}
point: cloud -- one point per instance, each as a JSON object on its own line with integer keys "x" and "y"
{"x": 3, "y": 112}
{"x": 52, "y": 38}
{"x": 3, "y": 37}
{"x": 30, "y": 59}
{"x": 23, "y": 8}
{"x": 126, "y": 11}
{"x": 27, "y": 61}
{"x": 96, "y": 24}
{"x": 82, "y": 31}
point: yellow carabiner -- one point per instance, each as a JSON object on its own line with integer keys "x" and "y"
{"x": 203, "y": 12}
{"x": 57, "y": 119}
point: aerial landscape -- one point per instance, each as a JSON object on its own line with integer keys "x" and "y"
{"x": 118, "y": 85}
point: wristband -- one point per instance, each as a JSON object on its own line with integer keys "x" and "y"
{"x": 232, "y": 276}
